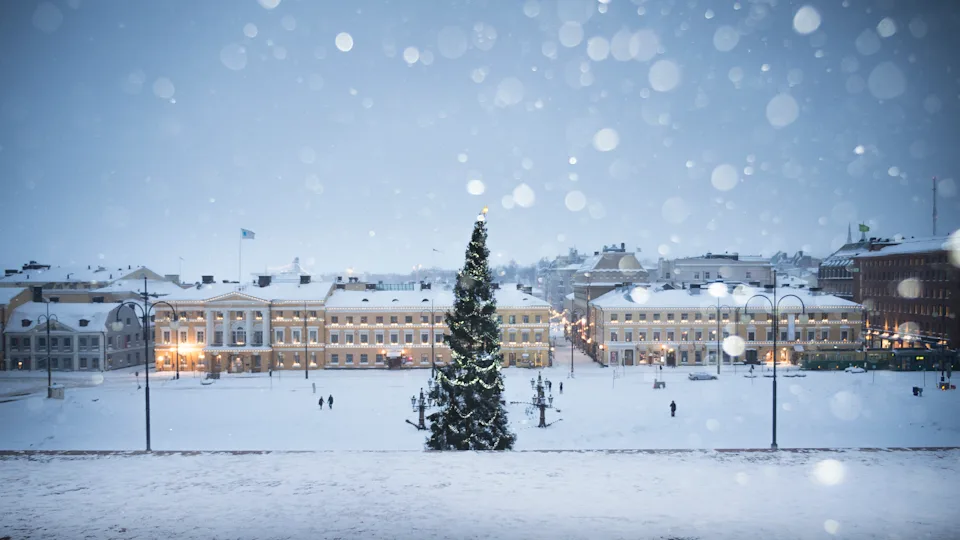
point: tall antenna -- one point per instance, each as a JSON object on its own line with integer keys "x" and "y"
{"x": 934, "y": 205}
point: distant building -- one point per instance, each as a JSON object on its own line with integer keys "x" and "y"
{"x": 599, "y": 274}
{"x": 10, "y": 298}
{"x": 78, "y": 283}
{"x": 558, "y": 277}
{"x": 82, "y": 337}
{"x": 285, "y": 320}
{"x": 910, "y": 292}
{"x": 715, "y": 266}
{"x": 652, "y": 324}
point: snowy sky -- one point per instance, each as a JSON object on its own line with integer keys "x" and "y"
{"x": 367, "y": 134}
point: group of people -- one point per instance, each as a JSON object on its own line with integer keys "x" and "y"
{"x": 329, "y": 402}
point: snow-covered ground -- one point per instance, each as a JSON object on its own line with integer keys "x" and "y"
{"x": 414, "y": 495}
{"x": 832, "y": 409}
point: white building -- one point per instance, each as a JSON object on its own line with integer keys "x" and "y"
{"x": 713, "y": 266}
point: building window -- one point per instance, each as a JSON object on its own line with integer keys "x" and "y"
{"x": 513, "y": 319}
{"x": 423, "y": 359}
{"x": 379, "y": 319}
{"x": 55, "y": 342}
{"x": 669, "y": 316}
{"x": 94, "y": 343}
{"x": 200, "y": 337}
{"x": 334, "y": 359}
{"x": 526, "y": 319}
{"x": 499, "y": 319}
{"x": 363, "y": 319}
{"x": 334, "y": 319}
{"x": 613, "y": 317}
{"x": 749, "y": 274}
{"x": 239, "y": 337}
{"x": 656, "y": 335}
{"x": 334, "y": 337}
{"x": 706, "y": 275}
{"x": 513, "y": 337}
{"x": 408, "y": 339}
{"x": 83, "y": 363}
{"x": 825, "y": 335}
{"x": 538, "y": 337}
{"x": 278, "y": 336}
{"x": 394, "y": 339}
{"x": 379, "y": 339}
{"x": 628, "y": 316}
{"x": 656, "y": 317}
{"x": 844, "y": 335}
{"x": 537, "y": 319}
{"x": 312, "y": 335}
{"x": 82, "y": 343}
{"x": 218, "y": 338}
{"x": 438, "y": 338}
{"x": 725, "y": 316}
{"x": 437, "y": 319}
{"x": 641, "y": 336}
{"x": 424, "y": 338}
{"x": 698, "y": 335}
{"x": 364, "y": 338}
{"x": 379, "y": 359}
{"x": 811, "y": 335}
{"x": 783, "y": 335}
{"x": 349, "y": 359}
{"x": 641, "y": 316}
{"x": 670, "y": 335}
{"x": 697, "y": 317}
{"x": 628, "y": 336}
{"x": 349, "y": 319}
{"x": 696, "y": 275}
{"x": 751, "y": 336}
{"x": 613, "y": 336}
{"x": 524, "y": 337}
{"x": 295, "y": 336}
{"x": 684, "y": 336}
{"x": 408, "y": 319}
{"x": 349, "y": 338}
{"x": 393, "y": 319}
{"x": 363, "y": 358}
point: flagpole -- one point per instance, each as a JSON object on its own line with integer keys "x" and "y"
{"x": 240, "y": 260}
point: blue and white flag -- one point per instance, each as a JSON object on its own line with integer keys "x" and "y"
{"x": 247, "y": 235}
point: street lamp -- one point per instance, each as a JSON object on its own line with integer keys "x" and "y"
{"x": 46, "y": 319}
{"x": 775, "y": 305}
{"x": 433, "y": 338}
{"x": 306, "y": 345}
{"x": 176, "y": 329}
{"x": 147, "y": 309}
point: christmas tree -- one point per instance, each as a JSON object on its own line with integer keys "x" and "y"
{"x": 471, "y": 415}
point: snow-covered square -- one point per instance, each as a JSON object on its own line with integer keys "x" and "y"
{"x": 600, "y": 408}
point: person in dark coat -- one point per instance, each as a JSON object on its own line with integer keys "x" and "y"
{"x": 329, "y": 401}
{"x": 561, "y": 387}
{"x": 673, "y": 408}
{"x": 321, "y": 403}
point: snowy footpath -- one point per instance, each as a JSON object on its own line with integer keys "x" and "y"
{"x": 416, "y": 495}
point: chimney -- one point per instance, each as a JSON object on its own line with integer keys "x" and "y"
{"x": 9, "y": 272}
{"x": 528, "y": 290}
{"x": 88, "y": 267}
{"x": 694, "y": 289}
{"x": 341, "y": 285}
{"x": 264, "y": 281}
{"x": 129, "y": 267}
{"x": 304, "y": 280}
{"x": 370, "y": 286}
{"x": 206, "y": 280}
{"x": 339, "y": 279}
{"x": 768, "y": 288}
{"x": 37, "y": 294}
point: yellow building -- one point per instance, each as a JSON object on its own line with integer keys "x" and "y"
{"x": 645, "y": 324}
{"x": 290, "y": 322}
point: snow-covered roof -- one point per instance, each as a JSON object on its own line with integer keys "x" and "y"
{"x": 510, "y": 297}
{"x": 72, "y": 274}
{"x": 399, "y": 300}
{"x": 67, "y": 314}
{"x": 161, "y": 287}
{"x": 911, "y": 245}
{"x": 7, "y": 294}
{"x": 649, "y": 296}
{"x": 275, "y": 292}
{"x": 844, "y": 256}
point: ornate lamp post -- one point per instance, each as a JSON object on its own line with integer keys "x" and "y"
{"x": 46, "y": 319}
{"x": 775, "y": 305}
{"x": 147, "y": 310}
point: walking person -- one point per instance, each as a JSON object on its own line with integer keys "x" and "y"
{"x": 321, "y": 403}
{"x": 673, "y": 408}
{"x": 561, "y": 387}
{"x": 330, "y": 402}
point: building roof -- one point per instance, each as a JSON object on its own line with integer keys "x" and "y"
{"x": 649, "y": 296}
{"x": 845, "y": 255}
{"x": 8, "y": 293}
{"x": 508, "y": 296}
{"x": 135, "y": 286}
{"x": 911, "y": 245}
{"x": 72, "y": 274}
{"x": 275, "y": 292}
{"x": 67, "y": 314}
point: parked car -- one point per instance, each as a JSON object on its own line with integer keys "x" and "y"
{"x": 855, "y": 369}
{"x": 701, "y": 376}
